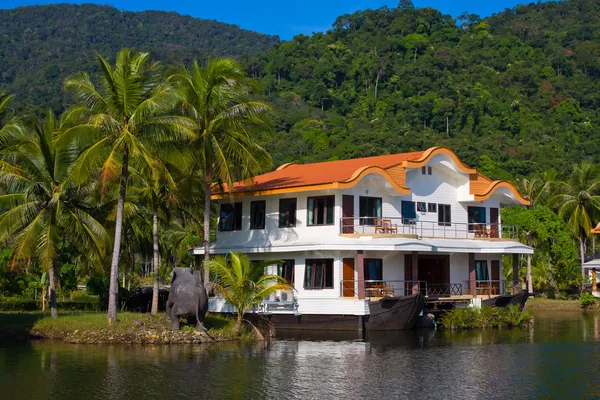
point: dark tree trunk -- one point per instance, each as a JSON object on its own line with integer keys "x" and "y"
{"x": 155, "y": 259}
{"x": 206, "y": 233}
{"x": 113, "y": 294}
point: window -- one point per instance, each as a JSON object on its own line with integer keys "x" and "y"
{"x": 230, "y": 217}
{"x": 287, "y": 213}
{"x": 476, "y": 217}
{"x": 429, "y": 170}
{"x": 444, "y": 217}
{"x": 423, "y": 170}
{"x": 481, "y": 270}
{"x": 369, "y": 210}
{"x": 421, "y": 207}
{"x": 285, "y": 269}
{"x": 318, "y": 274}
{"x": 431, "y": 207}
{"x": 320, "y": 210}
{"x": 373, "y": 269}
{"x": 257, "y": 214}
{"x": 409, "y": 213}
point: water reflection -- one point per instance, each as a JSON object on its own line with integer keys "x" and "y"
{"x": 556, "y": 357}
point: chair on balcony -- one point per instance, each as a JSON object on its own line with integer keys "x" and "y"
{"x": 481, "y": 231}
{"x": 385, "y": 226}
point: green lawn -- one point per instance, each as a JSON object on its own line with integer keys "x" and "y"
{"x": 93, "y": 327}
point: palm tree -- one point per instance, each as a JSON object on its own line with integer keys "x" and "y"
{"x": 156, "y": 187}
{"x": 539, "y": 188}
{"x": 217, "y": 98}
{"x": 244, "y": 283}
{"x": 578, "y": 200}
{"x": 124, "y": 121}
{"x": 43, "y": 205}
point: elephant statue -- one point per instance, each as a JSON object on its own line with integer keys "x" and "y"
{"x": 187, "y": 297}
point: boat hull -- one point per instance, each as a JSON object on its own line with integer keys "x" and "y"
{"x": 518, "y": 300}
{"x": 386, "y": 314}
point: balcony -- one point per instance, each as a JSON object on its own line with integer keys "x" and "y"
{"x": 404, "y": 227}
{"x": 398, "y": 288}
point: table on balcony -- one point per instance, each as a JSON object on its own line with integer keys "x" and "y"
{"x": 379, "y": 290}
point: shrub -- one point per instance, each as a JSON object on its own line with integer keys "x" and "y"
{"x": 587, "y": 299}
{"x": 483, "y": 317}
{"x": 78, "y": 303}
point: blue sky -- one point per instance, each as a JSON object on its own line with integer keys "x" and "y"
{"x": 285, "y": 18}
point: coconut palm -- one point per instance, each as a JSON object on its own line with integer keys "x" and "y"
{"x": 156, "y": 188}
{"x": 578, "y": 200}
{"x": 217, "y": 98}
{"x": 43, "y": 205}
{"x": 539, "y": 188}
{"x": 124, "y": 122}
{"x": 244, "y": 283}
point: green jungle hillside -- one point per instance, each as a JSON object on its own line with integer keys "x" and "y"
{"x": 515, "y": 94}
{"x": 40, "y": 46}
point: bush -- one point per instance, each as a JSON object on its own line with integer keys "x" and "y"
{"x": 78, "y": 303}
{"x": 484, "y": 317}
{"x": 587, "y": 300}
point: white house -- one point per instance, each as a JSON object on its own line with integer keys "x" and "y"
{"x": 389, "y": 226}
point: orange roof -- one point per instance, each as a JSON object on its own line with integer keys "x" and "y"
{"x": 596, "y": 229}
{"x": 296, "y": 175}
{"x": 341, "y": 174}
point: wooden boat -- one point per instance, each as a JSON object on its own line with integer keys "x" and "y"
{"x": 385, "y": 314}
{"x": 505, "y": 300}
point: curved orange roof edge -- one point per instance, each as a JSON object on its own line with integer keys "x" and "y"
{"x": 494, "y": 186}
{"x": 596, "y": 229}
{"x": 284, "y": 166}
{"x": 363, "y": 171}
{"x": 356, "y": 177}
{"x": 429, "y": 153}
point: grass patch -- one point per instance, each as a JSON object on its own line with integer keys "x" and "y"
{"x": 544, "y": 304}
{"x": 85, "y": 327}
{"x": 484, "y": 317}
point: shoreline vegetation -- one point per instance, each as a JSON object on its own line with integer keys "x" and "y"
{"x": 485, "y": 317}
{"x": 91, "y": 328}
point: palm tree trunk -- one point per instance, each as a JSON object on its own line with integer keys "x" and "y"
{"x": 155, "y": 260}
{"x": 113, "y": 292}
{"x": 52, "y": 291}
{"x": 529, "y": 282}
{"x": 582, "y": 250}
{"x": 206, "y": 233}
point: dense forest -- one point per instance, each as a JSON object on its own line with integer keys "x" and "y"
{"x": 514, "y": 94}
{"x": 40, "y": 46}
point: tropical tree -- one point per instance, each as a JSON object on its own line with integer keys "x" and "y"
{"x": 124, "y": 121}
{"x": 42, "y": 207}
{"x": 578, "y": 200}
{"x": 244, "y": 283}
{"x": 217, "y": 99}
{"x": 156, "y": 188}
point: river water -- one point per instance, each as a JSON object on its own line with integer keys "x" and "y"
{"x": 556, "y": 358}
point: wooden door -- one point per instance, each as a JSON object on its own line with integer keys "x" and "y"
{"x": 494, "y": 223}
{"x": 347, "y": 214}
{"x": 407, "y": 274}
{"x": 348, "y": 277}
{"x": 495, "y": 277}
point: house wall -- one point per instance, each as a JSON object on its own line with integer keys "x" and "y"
{"x": 445, "y": 186}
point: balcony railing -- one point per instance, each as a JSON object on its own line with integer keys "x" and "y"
{"x": 428, "y": 229}
{"x": 493, "y": 287}
{"x": 398, "y": 288}
{"x": 379, "y": 288}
